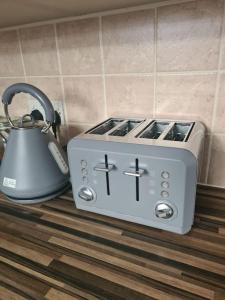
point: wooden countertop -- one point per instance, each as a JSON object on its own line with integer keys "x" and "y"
{"x": 54, "y": 251}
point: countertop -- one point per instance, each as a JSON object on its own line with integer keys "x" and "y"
{"x": 54, "y": 251}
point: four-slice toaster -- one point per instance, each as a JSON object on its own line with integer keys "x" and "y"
{"x": 139, "y": 170}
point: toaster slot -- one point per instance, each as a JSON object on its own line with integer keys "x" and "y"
{"x": 125, "y": 128}
{"x": 154, "y": 130}
{"x": 180, "y": 132}
{"x": 105, "y": 127}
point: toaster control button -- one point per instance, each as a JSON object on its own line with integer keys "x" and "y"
{"x": 164, "y": 194}
{"x": 165, "y": 184}
{"x": 84, "y": 171}
{"x": 165, "y": 175}
{"x": 83, "y": 163}
{"x": 86, "y": 194}
{"x": 85, "y": 179}
{"x": 163, "y": 211}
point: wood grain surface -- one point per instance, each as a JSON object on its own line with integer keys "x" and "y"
{"x": 53, "y": 251}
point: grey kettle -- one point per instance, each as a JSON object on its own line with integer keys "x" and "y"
{"x": 34, "y": 167}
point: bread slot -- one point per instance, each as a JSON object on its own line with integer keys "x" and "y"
{"x": 125, "y": 128}
{"x": 105, "y": 127}
{"x": 179, "y": 132}
{"x": 154, "y": 130}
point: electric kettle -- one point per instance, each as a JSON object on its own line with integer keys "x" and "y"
{"x": 34, "y": 167}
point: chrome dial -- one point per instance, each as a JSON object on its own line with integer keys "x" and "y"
{"x": 163, "y": 211}
{"x": 87, "y": 194}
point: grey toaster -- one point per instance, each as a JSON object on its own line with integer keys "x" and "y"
{"x": 140, "y": 170}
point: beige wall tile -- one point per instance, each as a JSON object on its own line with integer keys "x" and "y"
{"x": 130, "y": 95}
{"x": 19, "y": 105}
{"x": 186, "y": 97}
{"x": 77, "y": 128}
{"x": 39, "y": 50}
{"x": 51, "y": 86}
{"x": 63, "y": 135}
{"x": 79, "y": 47}
{"x": 217, "y": 163}
{"x": 219, "y": 122}
{"x": 84, "y": 99}
{"x": 10, "y": 58}
{"x": 128, "y": 42}
{"x": 189, "y": 35}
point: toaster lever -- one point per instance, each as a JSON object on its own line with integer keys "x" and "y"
{"x": 102, "y": 168}
{"x": 133, "y": 172}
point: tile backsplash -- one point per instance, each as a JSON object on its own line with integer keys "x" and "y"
{"x": 163, "y": 61}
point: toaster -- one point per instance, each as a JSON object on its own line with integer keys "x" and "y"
{"x": 140, "y": 170}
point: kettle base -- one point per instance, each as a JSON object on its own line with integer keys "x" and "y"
{"x": 40, "y": 199}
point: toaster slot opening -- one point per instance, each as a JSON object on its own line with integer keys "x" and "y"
{"x": 180, "y": 132}
{"x": 126, "y": 128}
{"x": 154, "y": 130}
{"x": 105, "y": 127}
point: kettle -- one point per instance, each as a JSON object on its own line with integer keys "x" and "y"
{"x": 34, "y": 166}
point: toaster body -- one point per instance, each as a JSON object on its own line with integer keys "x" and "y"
{"x": 150, "y": 181}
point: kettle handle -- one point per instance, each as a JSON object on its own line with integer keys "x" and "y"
{"x": 16, "y": 88}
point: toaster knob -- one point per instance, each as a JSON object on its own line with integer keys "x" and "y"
{"x": 163, "y": 211}
{"x": 86, "y": 194}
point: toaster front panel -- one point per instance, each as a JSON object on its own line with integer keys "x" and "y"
{"x": 140, "y": 184}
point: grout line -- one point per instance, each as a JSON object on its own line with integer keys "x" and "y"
{"x": 21, "y": 55}
{"x": 57, "y": 50}
{"x": 128, "y": 74}
{"x": 59, "y": 75}
{"x": 12, "y": 77}
{"x": 100, "y": 14}
{"x": 83, "y": 123}
{"x": 43, "y": 76}
{"x": 61, "y": 82}
{"x": 185, "y": 73}
{"x": 26, "y": 97}
{"x": 217, "y": 133}
{"x": 216, "y": 98}
{"x": 103, "y": 65}
{"x": 155, "y": 63}
{"x": 200, "y": 72}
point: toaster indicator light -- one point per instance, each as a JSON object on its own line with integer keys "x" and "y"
{"x": 165, "y": 175}
{"x": 164, "y": 194}
{"x": 84, "y": 171}
{"x": 85, "y": 179}
{"x": 152, "y": 192}
{"x": 165, "y": 184}
{"x": 83, "y": 163}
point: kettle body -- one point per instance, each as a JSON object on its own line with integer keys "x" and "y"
{"x": 34, "y": 166}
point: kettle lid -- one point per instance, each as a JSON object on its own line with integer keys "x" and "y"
{"x": 27, "y": 121}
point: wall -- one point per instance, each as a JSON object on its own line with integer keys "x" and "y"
{"x": 168, "y": 61}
